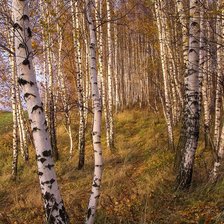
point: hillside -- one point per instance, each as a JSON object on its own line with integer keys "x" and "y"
{"x": 137, "y": 185}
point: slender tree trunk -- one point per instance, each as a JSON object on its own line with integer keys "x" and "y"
{"x": 203, "y": 74}
{"x": 117, "y": 99}
{"x": 220, "y": 78}
{"x": 101, "y": 71}
{"x": 183, "y": 21}
{"x": 219, "y": 137}
{"x": 190, "y": 128}
{"x": 21, "y": 124}
{"x": 79, "y": 81}
{"x": 14, "y": 114}
{"x": 63, "y": 90}
{"x": 110, "y": 144}
{"x": 52, "y": 122}
{"x": 95, "y": 194}
{"x": 54, "y": 207}
{"x": 167, "y": 108}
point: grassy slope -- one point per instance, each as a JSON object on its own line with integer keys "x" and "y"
{"x": 137, "y": 183}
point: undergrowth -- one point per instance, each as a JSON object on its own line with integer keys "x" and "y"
{"x": 138, "y": 178}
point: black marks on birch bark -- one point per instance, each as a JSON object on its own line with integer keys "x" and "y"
{"x": 51, "y": 206}
{"x": 27, "y": 95}
{"x": 21, "y": 45}
{"x": 22, "y": 82}
{"x": 48, "y": 182}
{"x": 89, "y": 213}
{"x": 42, "y": 160}
{"x": 63, "y": 214}
{"x": 35, "y": 129}
{"x": 49, "y": 166}
{"x": 26, "y": 62}
{"x": 40, "y": 173}
{"x": 29, "y": 32}
{"x": 36, "y": 107}
{"x": 48, "y": 196}
{"x": 17, "y": 26}
{"x": 25, "y": 17}
{"x": 46, "y": 153}
{"x": 98, "y": 196}
{"x": 95, "y": 184}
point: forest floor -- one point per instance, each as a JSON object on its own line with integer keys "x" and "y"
{"x": 138, "y": 178}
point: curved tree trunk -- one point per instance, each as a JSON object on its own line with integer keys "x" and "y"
{"x": 54, "y": 207}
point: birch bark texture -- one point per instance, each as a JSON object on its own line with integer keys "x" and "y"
{"x": 79, "y": 82}
{"x": 219, "y": 137}
{"x": 15, "y": 140}
{"x": 161, "y": 23}
{"x": 110, "y": 141}
{"x": 53, "y": 204}
{"x": 190, "y": 128}
{"x": 97, "y": 108}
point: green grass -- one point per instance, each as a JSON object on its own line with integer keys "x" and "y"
{"x": 5, "y": 122}
{"x": 138, "y": 179}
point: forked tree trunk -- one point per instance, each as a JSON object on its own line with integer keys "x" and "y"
{"x": 96, "y": 134}
{"x": 53, "y": 204}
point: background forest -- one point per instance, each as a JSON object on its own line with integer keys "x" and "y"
{"x": 115, "y": 107}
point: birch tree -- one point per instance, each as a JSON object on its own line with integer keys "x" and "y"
{"x": 218, "y": 131}
{"x": 79, "y": 82}
{"x": 190, "y": 130}
{"x": 53, "y": 204}
{"x": 14, "y": 112}
{"x": 110, "y": 141}
{"x": 96, "y": 134}
{"x": 161, "y": 21}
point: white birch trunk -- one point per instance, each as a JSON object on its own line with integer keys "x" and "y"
{"x": 21, "y": 125}
{"x": 52, "y": 122}
{"x": 14, "y": 113}
{"x": 54, "y": 207}
{"x": 190, "y": 129}
{"x": 110, "y": 144}
{"x": 184, "y": 25}
{"x": 64, "y": 92}
{"x": 203, "y": 74}
{"x": 101, "y": 72}
{"x": 219, "y": 137}
{"x": 168, "y": 110}
{"x": 95, "y": 193}
{"x": 220, "y": 76}
{"x": 79, "y": 81}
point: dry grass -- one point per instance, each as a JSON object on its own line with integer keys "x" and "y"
{"x": 137, "y": 185}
